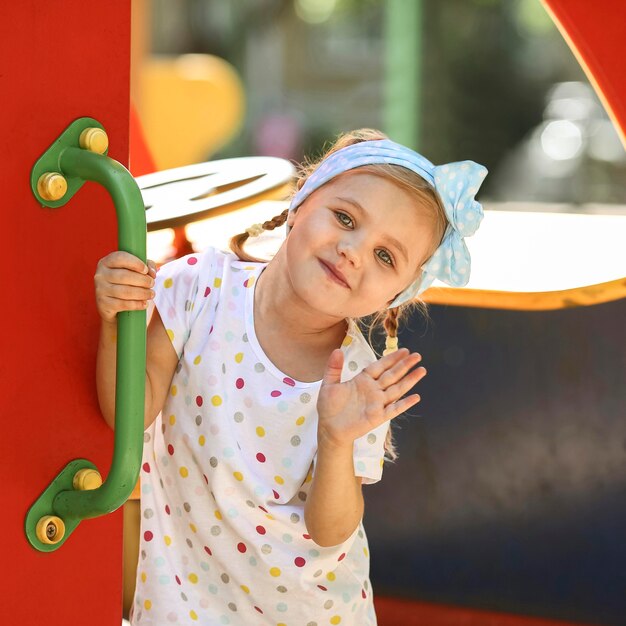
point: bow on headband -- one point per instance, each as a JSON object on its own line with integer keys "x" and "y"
{"x": 455, "y": 183}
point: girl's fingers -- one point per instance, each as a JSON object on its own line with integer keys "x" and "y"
{"x": 123, "y": 283}
{"x": 124, "y": 260}
{"x": 393, "y": 392}
{"x": 377, "y": 369}
{"x": 128, "y": 292}
{"x": 399, "y": 407}
{"x": 399, "y": 369}
{"x": 129, "y": 278}
{"x": 110, "y": 307}
{"x": 332, "y": 374}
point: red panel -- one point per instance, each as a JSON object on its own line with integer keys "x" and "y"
{"x": 596, "y": 31}
{"x": 60, "y": 60}
{"x": 398, "y": 612}
{"x": 141, "y": 161}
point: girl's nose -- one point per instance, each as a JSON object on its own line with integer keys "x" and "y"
{"x": 349, "y": 251}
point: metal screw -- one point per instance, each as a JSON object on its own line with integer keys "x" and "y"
{"x": 51, "y": 530}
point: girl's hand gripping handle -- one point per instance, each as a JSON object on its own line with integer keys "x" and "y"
{"x": 123, "y": 282}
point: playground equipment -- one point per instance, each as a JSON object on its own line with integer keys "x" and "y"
{"x": 50, "y": 325}
{"x": 176, "y": 197}
{"x": 77, "y": 493}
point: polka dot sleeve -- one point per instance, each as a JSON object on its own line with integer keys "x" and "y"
{"x": 369, "y": 453}
{"x": 182, "y": 288}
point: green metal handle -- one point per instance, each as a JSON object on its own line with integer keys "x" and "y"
{"x": 60, "y": 499}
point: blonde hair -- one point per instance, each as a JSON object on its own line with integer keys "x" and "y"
{"x": 412, "y": 183}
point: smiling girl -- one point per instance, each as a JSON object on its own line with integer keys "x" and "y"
{"x": 266, "y": 409}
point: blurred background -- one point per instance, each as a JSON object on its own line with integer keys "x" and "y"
{"x": 490, "y": 80}
{"x": 509, "y": 492}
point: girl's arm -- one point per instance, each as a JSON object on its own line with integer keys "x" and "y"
{"x": 334, "y": 506}
{"x": 123, "y": 283}
{"x": 347, "y": 411}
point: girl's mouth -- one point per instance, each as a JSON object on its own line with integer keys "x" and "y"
{"x": 333, "y": 274}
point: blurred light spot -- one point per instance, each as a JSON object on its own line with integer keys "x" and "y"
{"x": 531, "y": 18}
{"x": 570, "y": 109}
{"x": 315, "y": 11}
{"x": 561, "y": 140}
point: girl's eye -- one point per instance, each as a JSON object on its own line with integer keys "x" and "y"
{"x": 385, "y": 257}
{"x": 344, "y": 219}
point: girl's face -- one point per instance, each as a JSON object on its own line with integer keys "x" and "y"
{"x": 355, "y": 243}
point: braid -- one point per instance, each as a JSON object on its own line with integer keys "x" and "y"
{"x": 277, "y": 220}
{"x": 391, "y": 327}
{"x": 237, "y": 242}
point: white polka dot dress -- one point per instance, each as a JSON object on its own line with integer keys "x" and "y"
{"x": 227, "y": 467}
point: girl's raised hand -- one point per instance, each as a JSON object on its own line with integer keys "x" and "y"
{"x": 123, "y": 283}
{"x": 351, "y": 409}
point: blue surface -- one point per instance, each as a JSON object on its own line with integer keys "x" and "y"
{"x": 509, "y": 494}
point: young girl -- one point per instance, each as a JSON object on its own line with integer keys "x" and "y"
{"x": 266, "y": 409}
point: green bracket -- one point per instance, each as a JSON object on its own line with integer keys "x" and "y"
{"x": 50, "y": 161}
{"x": 45, "y": 505}
{"x": 77, "y": 165}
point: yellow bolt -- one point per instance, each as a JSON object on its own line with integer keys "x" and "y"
{"x": 87, "y": 479}
{"x": 51, "y": 186}
{"x": 50, "y": 529}
{"x": 94, "y": 140}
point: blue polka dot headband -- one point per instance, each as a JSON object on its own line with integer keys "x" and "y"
{"x": 455, "y": 183}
